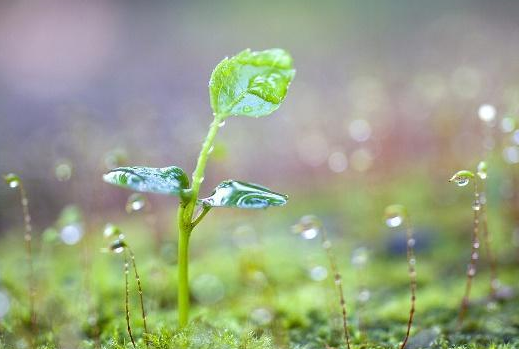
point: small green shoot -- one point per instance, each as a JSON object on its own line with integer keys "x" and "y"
{"x": 15, "y": 182}
{"x": 250, "y": 84}
{"x": 395, "y": 215}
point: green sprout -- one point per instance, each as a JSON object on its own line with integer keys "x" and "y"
{"x": 250, "y": 84}
{"x": 395, "y": 215}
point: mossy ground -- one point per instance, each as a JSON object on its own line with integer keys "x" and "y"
{"x": 257, "y": 293}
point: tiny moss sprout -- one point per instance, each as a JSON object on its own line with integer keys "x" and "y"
{"x": 480, "y": 218}
{"x": 396, "y": 215}
{"x": 308, "y": 228}
{"x": 462, "y": 178}
{"x": 118, "y": 246}
{"x": 15, "y": 182}
{"x": 252, "y": 84}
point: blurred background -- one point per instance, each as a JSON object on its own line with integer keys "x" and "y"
{"x": 385, "y": 93}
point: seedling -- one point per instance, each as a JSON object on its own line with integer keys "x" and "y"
{"x": 395, "y": 215}
{"x": 249, "y": 84}
{"x": 462, "y": 178}
{"x": 14, "y": 181}
{"x": 309, "y": 227}
{"x": 119, "y": 245}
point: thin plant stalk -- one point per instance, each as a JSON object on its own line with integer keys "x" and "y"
{"x": 494, "y": 281}
{"x": 474, "y": 256}
{"x": 327, "y": 245}
{"x": 28, "y": 249}
{"x": 139, "y": 287}
{"x": 126, "y": 298}
{"x": 411, "y": 262}
{"x": 186, "y": 223}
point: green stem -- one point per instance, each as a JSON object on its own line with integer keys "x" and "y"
{"x": 198, "y": 174}
{"x": 183, "y": 277}
{"x": 186, "y": 224}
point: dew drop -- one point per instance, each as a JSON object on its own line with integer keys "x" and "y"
{"x": 471, "y": 271}
{"x": 261, "y": 316}
{"x": 63, "y": 171}
{"x": 507, "y": 124}
{"x": 135, "y": 202}
{"x": 411, "y": 242}
{"x": 247, "y": 109}
{"x": 461, "y": 182}
{"x": 476, "y": 244}
{"x": 394, "y": 221}
{"x": 476, "y": 206}
{"x": 359, "y": 257}
{"x": 221, "y": 124}
{"x": 318, "y": 273}
{"x": 487, "y": 113}
{"x": 210, "y": 151}
{"x": 12, "y": 180}
{"x": 207, "y": 289}
{"x": 364, "y": 296}
{"x": 308, "y": 227}
{"x": 71, "y": 234}
{"x": 117, "y": 246}
{"x": 111, "y": 230}
{"x": 482, "y": 170}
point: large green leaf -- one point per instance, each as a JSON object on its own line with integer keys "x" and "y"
{"x": 243, "y": 195}
{"x": 167, "y": 180}
{"x": 251, "y": 83}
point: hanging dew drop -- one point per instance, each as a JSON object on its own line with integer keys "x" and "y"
{"x": 461, "y": 182}
{"x": 308, "y": 227}
{"x": 476, "y": 206}
{"x": 118, "y": 246}
{"x": 111, "y": 230}
{"x": 395, "y": 221}
{"x": 135, "y": 202}
{"x": 12, "y": 180}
